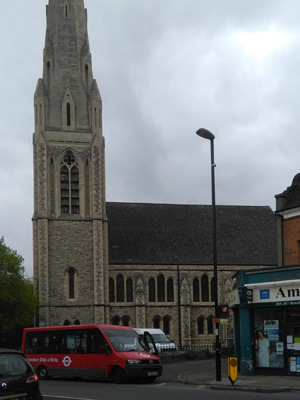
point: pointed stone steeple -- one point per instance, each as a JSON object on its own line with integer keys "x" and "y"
{"x": 67, "y": 69}
{"x": 69, "y": 221}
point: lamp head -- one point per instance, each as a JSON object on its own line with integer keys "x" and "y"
{"x": 205, "y": 134}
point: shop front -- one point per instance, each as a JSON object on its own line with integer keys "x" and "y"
{"x": 266, "y": 310}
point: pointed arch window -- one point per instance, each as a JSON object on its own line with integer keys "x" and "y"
{"x": 212, "y": 290}
{"x": 129, "y": 290}
{"x": 120, "y": 288}
{"x": 161, "y": 288}
{"x": 48, "y": 72}
{"x": 170, "y": 289}
{"x": 115, "y": 320}
{"x": 86, "y": 70}
{"x": 126, "y": 320}
{"x": 71, "y": 283}
{"x": 204, "y": 288}
{"x": 210, "y": 325}
{"x": 200, "y": 325}
{"x": 166, "y": 324}
{"x": 69, "y": 185}
{"x": 151, "y": 290}
{"x": 111, "y": 290}
{"x": 196, "y": 291}
{"x": 68, "y": 111}
{"x": 68, "y": 114}
{"x": 156, "y": 322}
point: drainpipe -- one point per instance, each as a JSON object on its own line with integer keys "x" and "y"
{"x": 179, "y": 307}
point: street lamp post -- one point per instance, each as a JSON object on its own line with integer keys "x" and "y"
{"x": 204, "y": 133}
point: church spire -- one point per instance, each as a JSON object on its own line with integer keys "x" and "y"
{"x": 69, "y": 221}
{"x": 67, "y": 71}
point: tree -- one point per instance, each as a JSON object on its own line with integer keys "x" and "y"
{"x": 18, "y": 303}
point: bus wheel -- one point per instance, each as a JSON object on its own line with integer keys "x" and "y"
{"x": 42, "y": 372}
{"x": 118, "y": 375}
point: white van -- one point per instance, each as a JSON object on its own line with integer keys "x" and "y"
{"x": 161, "y": 340}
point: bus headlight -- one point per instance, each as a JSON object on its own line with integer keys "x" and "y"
{"x": 133, "y": 362}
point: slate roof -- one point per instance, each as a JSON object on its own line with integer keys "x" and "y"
{"x": 165, "y": 234}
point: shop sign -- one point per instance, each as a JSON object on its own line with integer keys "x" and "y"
{"x": 281, "y": 293}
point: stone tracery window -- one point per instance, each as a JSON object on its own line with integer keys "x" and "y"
{"x": 69, "y": 185}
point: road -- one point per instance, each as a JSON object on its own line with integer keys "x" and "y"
{"x": 166, "y": 387}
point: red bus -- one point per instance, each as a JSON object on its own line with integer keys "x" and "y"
{"x": 91, "y": 351}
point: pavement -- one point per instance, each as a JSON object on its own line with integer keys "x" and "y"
{"x": 202, "y": 375}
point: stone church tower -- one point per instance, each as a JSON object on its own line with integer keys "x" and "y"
{"x": 69, "y": 221}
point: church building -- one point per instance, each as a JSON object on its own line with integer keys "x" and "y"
{"x": 143, "y": 265}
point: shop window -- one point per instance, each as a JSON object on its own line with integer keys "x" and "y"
{"x": 269, "y": 343}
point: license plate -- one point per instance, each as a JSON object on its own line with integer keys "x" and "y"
{"x": 152, "y": 373}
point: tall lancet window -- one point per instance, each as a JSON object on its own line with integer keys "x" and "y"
{"x": 69, "y": 185}
{"x": 68, "y": 111}
{"x": 68, "y": 114}
{"x": 71, "y": 279}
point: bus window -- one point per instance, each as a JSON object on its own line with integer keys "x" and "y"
{"x": 98, "y": 344}
{"x": 124, "y": 340}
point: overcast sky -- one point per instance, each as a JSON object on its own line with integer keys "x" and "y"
{"x": 164, "y": 69}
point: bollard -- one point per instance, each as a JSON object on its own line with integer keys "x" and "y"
{"x": 232, "y": 369}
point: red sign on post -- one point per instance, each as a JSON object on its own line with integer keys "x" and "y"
{"x": 224, "y": 311}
